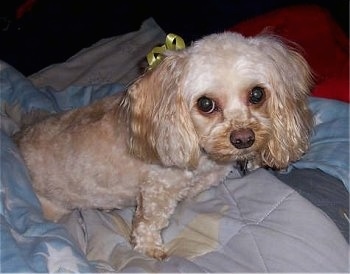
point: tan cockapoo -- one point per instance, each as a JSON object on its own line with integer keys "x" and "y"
{"x": 178, "y": 129}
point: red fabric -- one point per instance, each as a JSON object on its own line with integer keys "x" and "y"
{"x": 325, "y": 45}
{"x": 25, "y": 7}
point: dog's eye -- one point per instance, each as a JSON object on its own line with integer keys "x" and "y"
{"x": 206, "y": 104}
{"x": 256, "y": 95}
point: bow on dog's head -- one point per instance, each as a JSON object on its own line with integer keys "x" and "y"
{"x": 230, "y": 97}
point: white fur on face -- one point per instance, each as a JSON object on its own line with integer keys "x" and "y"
{"x": 227, "y": 72}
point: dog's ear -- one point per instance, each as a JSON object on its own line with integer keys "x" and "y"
{"x": 160, "y": 125}
{"x": 292, "y": 121}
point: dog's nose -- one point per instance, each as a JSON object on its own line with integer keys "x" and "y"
{"x": 242, "y": 138}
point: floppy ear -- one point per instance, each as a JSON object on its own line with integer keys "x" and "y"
{"x": 160, "y": 125}
{"x": 288, "y": 105}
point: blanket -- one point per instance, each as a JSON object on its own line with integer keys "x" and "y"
{"x": 254, "y": 223}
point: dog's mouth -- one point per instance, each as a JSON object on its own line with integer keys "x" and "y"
{"x": 241, "y": 161}
{"x": 242, "y": 158}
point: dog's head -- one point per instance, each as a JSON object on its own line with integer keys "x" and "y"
{"x": 231, "y": 97}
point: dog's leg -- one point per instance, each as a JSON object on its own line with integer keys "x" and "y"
{"x": 152, "y": 215}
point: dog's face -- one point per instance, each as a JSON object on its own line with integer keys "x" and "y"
{"x": 230, "y": 97}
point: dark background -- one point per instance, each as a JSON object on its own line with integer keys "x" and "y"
{"x": 50, "y": 31}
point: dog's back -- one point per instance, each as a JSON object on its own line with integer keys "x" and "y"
{"x": 75, "y": 159}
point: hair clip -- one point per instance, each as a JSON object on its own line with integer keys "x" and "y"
{"x": 172, "y": 42}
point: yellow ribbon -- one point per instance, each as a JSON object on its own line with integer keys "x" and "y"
{"x": 172, "y": 42}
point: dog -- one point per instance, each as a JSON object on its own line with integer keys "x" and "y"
{"x": 177, "y": 130}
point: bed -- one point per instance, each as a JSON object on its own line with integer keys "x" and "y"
{"x": 265, "y": 221}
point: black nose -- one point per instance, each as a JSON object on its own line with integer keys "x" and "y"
{"x": 242, "y": 138}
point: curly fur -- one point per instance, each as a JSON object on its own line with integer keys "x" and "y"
{"x": 155, "y": 144}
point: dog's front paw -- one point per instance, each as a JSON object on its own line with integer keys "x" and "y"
{"x": 156, "y": 252}
{"x": 148, "y": 242}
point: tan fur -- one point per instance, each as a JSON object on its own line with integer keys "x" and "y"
{"x": 153, "y": 146}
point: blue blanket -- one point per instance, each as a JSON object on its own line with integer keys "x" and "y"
{"x": 31, "y": 244}
{"x": 28, "y": 242}
{"x": 330, "y": 141}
